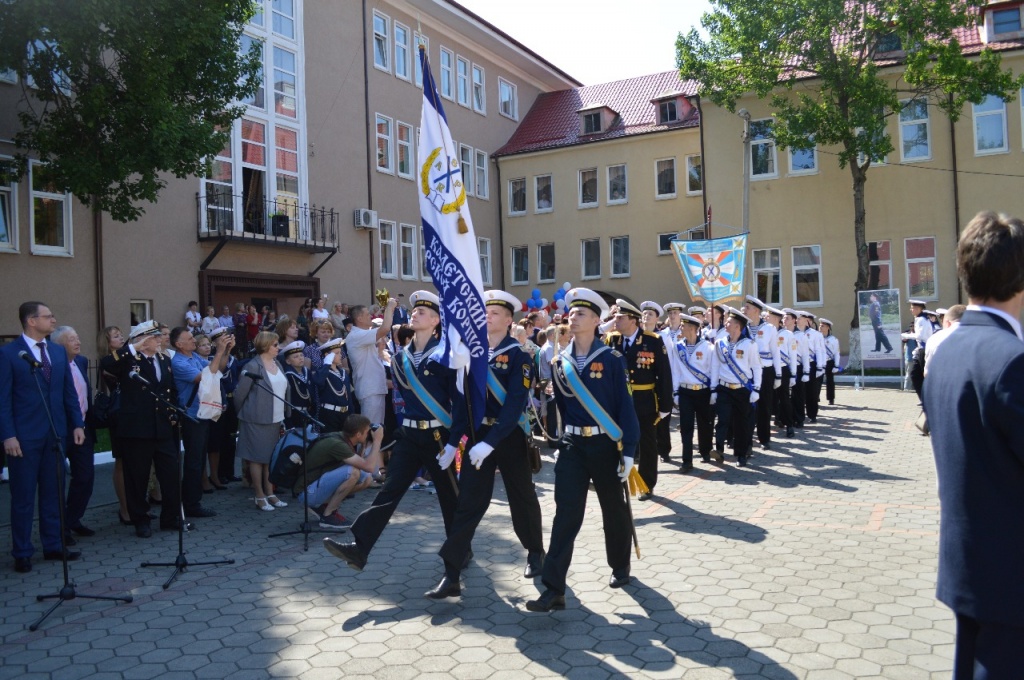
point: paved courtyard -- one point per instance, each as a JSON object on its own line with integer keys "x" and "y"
{"x": 818, "y": 561}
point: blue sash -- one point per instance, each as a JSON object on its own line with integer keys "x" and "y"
{"x": 683, "y": 355}
{"x": 421, "y": 392}
{"x": 588, "y": 401}
{"x": 500, "y": 393}
{"x": 734, "y": 367}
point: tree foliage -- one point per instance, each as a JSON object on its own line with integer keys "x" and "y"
{"x": 118, "y": 93}
{"x": 833, "y": 71}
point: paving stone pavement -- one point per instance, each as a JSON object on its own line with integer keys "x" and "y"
{"x": 816, "y": 562}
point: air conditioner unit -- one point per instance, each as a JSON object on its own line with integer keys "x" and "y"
{"x": 365, "y": 218}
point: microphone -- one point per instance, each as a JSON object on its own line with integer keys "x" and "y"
{"x": 134, "y": 375}
{"x": 28, "y": 359}
{"x": 252, "y": 376}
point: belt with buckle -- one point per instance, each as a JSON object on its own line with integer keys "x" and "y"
{"x": 488, "y": 421}
{"x": 584, "y": 430}
{"x": 332, "y": 407}
{"x": 229, "y": 395}
{"x": 684, "y": 386}
{"x": 421, "y": 424}
{"x": 731, "y": 386}
{"x": 647, "y": 386}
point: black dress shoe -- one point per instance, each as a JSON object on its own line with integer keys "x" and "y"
{"x": 53, "y": 555}
{"x": 719, "y": 455}
{"x": 349, "y": 552}
{"x": 534, "y": 564}
{"x": 789, "y": 431}
{"x": 22, "y": 565}
{"x": 83, "y": 530}
{"x": 125, "y": 522}
{"x": 69, "y": 541}
{"x": 200, "y": 511}
{"x": 706, "y": 459}
{"x": 446, "y": 588}
{"x": 645, "y": 496}
{"x": 143, "y": 531}
{"x": 687, "y": 467}
{"x": 742, "y": 462}
{"x": 547, "y": 601}
{"x": 767, "y": 446}
{"x": 618, "y": 581}
{"x": 173, "y": 526}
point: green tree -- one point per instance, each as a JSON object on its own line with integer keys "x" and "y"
{"x": 835, "y": 70}
{"x": 118, "y": 94}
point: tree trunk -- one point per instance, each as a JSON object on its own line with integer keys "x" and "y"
{"x": 861, "y": 248}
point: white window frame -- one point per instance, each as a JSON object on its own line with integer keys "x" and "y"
{"x": 483, "y": 247}
{"x": 579, "y": 189}
{"x": 68, "y": 249}
{"x": 11, "y": 190}
{"x": 916, "y": 121}
{"x": 262, "y": 91}
{"x": 594, "y": 118}
{"x": 798, "y": 172}
{"x": 583, "y": 259}
{"x": 611, "y": 257}
{"x": 402, "y": 60}
{"x": 385, "y": 38}
{"x": 675, "y": 179}
{"x": 284, "y": 93}
{"x": 540, "y": 273}
{"x": 481, "y": 106}
{"x": 663, "y": 120}
{"x": 514, "y": 99}
{"x": 467, "y": 167}
{"x": 608, "y": 185}
{"x": 481, "y": 176}
{"x": 990, "y": 24}
{"x": 146, "y": 305}
{"x": 934, "y": 260}
{"x": 9, "y": 76}
{"x": 275, "y": 12}
{"x": 551, "y": 188}
{"x": 511, "y": 195}
{"x": 807, "y": 267}
{"x": 512, "y": 265}
{"x": 463, "y": 82}
{"x": 668, "y": 251}
{"x": 399, "y": 126}
{"x": 424, "y": 271}
{"x": 974, "y": 125}
{"x": 389, "y": 168}
{"x": 391, "y": 242}
{"x": 688, "y": 161}
{"x": 417, "y": 69}
{"x": 450, "y": 71}
{"x": 764, "y": 142}
{"x": 768, "y": 258}
{"x": 407, "y": 249}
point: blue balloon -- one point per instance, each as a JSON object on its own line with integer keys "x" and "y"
{"x": 559, "y": 294}
{"x": 536, "y": 294}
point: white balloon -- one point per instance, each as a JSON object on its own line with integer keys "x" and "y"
{"x": 566, "y": 286}
{"x": 543, "y": 302}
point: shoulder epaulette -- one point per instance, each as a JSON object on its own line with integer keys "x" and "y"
{"x": 652, "y": 334}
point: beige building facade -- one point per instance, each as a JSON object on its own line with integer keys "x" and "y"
{"x": 312, "y": 197}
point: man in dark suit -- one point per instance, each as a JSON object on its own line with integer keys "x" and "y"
{"x": 875, "y": 312}
{"x": 974, "y": 398}
{"x": 80, "y": 456}
{"x": 145, "y": 426}
{"x": 26, "y": 365}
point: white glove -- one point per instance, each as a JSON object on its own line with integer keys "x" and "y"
{"x": 478, "y": 453}
{"x": 778, "y": 383}
{"x": 664, "y": 415}
{"x": 714, "y": 398}
{"x": 754, "y": 396}
{"x": 835, "y": 369}
{"x": 805, "y": 378}
{"x": 445, "y": 458}
{"x": 820, "y": 372}
{"x": 329, "y": 359}
{"x": 792, "y": 382}
{"x": 627, "y": 465}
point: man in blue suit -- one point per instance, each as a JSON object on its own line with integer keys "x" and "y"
{"x": 974, "y": 398}
{"x": 26, "y": 433}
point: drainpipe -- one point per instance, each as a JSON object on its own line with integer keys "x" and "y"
{"x": 956, "y": 196}
{"x": 97, "y": 230}
{"x": 703, "y": 169}
{"x": 369, "y": 147}
{"x": 501, "y": 227}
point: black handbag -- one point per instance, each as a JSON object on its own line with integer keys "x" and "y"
{"x": 105, "y": 408}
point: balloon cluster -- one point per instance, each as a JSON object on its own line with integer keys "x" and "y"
{"x": 556, "y": 304}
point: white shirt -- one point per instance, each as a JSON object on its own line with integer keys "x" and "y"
{"x": 35, "y": 350}
{"x": 745, "y": 356}
{"x": 321, "y": 314}
{"x": 367, "y": 371}
{"x": 210, "y": 324}
{"x": 765, "y": 336}
{"x": 923, "y": 328}
{"x": 788, "y": 351}
{"x": 278, "y": 383}
{"x": 193, "y": 319}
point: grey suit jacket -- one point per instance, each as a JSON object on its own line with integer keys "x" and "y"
{"x": 254, "y": 404}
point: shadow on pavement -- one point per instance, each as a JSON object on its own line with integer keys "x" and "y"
{"x": 687, "y": 520}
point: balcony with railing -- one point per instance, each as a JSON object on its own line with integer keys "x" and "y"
{"x": 225, "y": 217}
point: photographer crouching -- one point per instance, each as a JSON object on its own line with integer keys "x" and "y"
{"x": 338, "y": 465}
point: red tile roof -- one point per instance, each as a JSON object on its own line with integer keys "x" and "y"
{"x": 553, "y": 121}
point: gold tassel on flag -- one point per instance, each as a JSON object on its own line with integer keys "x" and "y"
{"x": 637, "y": 485}
{"x": 463, "y": 227}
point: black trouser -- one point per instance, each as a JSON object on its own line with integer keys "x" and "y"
{"x": 476, "y": 487}
{"x": 782, "y": 396}
{"x": 414, "y": 449}
{"x": 647, "y": 450}
{"x": 664, "y": 433}
{"x": 695, "y": 405}
{"x": 223, "y": 440}
{"x": 332, "y": 420}
{"x": 734, "y": 408}
{"x": 916, "y": 370}
{"x": 830, "y": 381}
{"x": 83, "y": 473}
{"x": 195, "y": 436}
{"x": 881, "y": 340}
{"x": 582, "y": 460}
{"x": 812, "y": 393}
{"x": 765, "y": 404}
{"x": 139, "y": 456}
{"x": 799, "y": 392}
{"x": 986, "y": 650}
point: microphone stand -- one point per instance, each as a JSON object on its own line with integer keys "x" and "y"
{"x": 305, "y": 528}
{"x": 180, "y": 563}
{"x": 67, "y": 591}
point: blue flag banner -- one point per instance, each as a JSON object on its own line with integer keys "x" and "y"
{"x": 713, "y": 269}
{"x": 451, "y": 252}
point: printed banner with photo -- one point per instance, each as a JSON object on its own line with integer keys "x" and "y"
{"x": 713, "y": 269}
{"x": 879, "y": 312}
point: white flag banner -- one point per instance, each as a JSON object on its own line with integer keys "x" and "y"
{"x": 450, "y": 245}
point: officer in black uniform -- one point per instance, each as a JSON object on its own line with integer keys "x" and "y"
{"x": 333, "y": 387}
{"x": 593, "y": 449}
{"x": 424, "y": 433}
{"x": 650, "y": 378}
{"x": 146, "y": 426}
{"x": 499, "y": 443}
